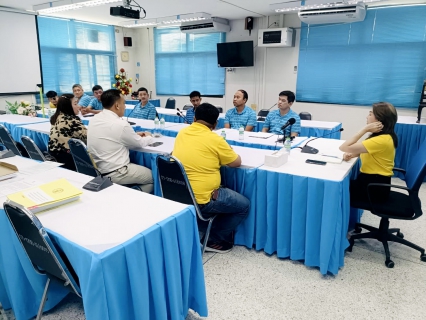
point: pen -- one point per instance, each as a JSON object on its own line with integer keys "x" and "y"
{"x": 325, "y": 155}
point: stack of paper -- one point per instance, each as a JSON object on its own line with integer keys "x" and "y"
{"x": 46, "y": 196}
{"x": 7, "y": 171}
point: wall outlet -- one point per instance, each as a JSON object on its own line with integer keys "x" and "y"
{"x": 137, "y": 80}
{"x": 253, "y": 106}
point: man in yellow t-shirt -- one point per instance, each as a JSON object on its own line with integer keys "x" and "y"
{"x": 202, "y": 153}
{"x": 52, "y": 96}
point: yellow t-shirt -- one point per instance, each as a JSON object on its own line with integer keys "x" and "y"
{"x": 202, "y": 152}
{"x": 51, "y": 105}
{"x": 380, "y": 156}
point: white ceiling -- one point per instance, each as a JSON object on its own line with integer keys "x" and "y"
{"x": 229, "y": 9}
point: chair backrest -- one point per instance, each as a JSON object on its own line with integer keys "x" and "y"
{"x": 220, "y": 109}
{"x": 40, "y": 249}
{"x": 33, "y": 151}
{"x": 305, "y": 116}
{"x": 416, "y": 170}
{"x": 174, "y": 183}
{"x": 187, "y": 106}
{"x": 7, "y": 140}
{"x": 263, "y": 113}
{"x": 83, "y": 161}
{"x": 171, "y": 103}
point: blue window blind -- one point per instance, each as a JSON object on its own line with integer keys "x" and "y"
{"x": 76, "y": 52}
{"x": 382, "y": 58}
{"x": 187, "y": 62}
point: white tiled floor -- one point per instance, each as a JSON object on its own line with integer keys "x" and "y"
{"x": 246, "y": 284}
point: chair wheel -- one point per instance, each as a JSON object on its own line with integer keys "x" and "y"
{"x": 400, "y": 235}
{"x": 423, "y": 257}
{"x": 389, "y": 263}
{"x": 357, "y": 229}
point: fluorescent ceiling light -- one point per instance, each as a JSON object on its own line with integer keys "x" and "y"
{"x": 166, "y": 21}
{"x": 64, "y": 5}
{"x": 290, "y": 6}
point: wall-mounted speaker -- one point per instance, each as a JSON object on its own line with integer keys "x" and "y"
{"x": 127, "y": 41}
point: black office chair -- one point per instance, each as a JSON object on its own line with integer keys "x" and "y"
{"x": 33, "y": 151}
{"x": 187, "y": 106}
{"x": 8, "y": 141}
{"x": 84, "y": 163}
{"x": 305, "y": 116}
{"x": 220, "y": 109}
{"x": 398, "y": 206}
{"x": 175, "y": 186}
{"x": 46, "y": 258}
{"x": 171, "y": 103}
{"x": 262, "y": 115}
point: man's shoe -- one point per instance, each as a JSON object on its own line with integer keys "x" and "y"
{"x": 219, "y": 247}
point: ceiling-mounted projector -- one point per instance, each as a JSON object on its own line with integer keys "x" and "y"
{"x": 124, "y": 12}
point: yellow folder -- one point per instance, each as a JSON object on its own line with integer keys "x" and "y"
{"x": 46, "y": 196}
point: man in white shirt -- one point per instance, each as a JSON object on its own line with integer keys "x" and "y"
{"x": 109, "y": 139}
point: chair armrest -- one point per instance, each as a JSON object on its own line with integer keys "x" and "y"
{"x": 399, "y": 170}
{"x": 373, "y": 210}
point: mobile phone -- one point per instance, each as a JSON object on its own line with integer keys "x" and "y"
{"x": 321, "y": 163}
{"x": 88, "y": 115}
{"x": 155, "y": 144}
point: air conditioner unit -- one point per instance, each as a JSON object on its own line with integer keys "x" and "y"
{"x": 333, "y": 13}
{"x": 206, "y": 26}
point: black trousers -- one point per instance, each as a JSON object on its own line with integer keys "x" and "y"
{"x": 65, "y": 158}
{"x": 358, "y": 188}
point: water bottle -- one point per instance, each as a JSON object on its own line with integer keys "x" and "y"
{"x": 223, "y": 134}
{"x": 162, "y": 124}
{"x": 156, "y": 123}
{"x": 287, "y": 144}
{"x": 241, "y": 133}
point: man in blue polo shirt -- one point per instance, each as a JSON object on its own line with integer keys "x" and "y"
{"x": 195, "y": 99}
{"x": 95, "y": 105}
{"x": 144, "y": 109}
{"x": 277, "y": 118}
{"x": 241, "y": 115}
{"x": 82, "y": 98}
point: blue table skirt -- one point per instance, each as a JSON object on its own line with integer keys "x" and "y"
{"x": 155, "y": 102}
{"x": 160, "y": 274}
{"x": 40, "y": 139}
{"x": 410, "y": 137}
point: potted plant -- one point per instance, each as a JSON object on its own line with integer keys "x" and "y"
{"x": 23, "y": 108}
{"x": 122, "y": 83}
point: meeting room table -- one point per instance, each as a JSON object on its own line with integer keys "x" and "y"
{"x": 410, "y": 137}
{"x": 11, "y": 121}
{"x": 137, "y": 256}
{"x": 155, "y": 102}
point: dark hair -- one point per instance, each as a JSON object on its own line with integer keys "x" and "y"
{"x": 51, "y": 94}
{"x": 77, "y": 85}
{"x": 290, "y": 96}
{"x": 386, "y": 113}
{"x": 65, "y": 106}
{"x": 134, "y": 94}
{"x": 194, "y": 94}
{"x": 207, "y": 112}
{"x": 245, "y": 95}
{"x": 142, "y": 89}
{"x": 96, "y": 87}
{"x": 109, "y": 97}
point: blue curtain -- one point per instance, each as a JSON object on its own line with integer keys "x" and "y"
{"x": 382, "y": 58}
{"x": 187, "y": 62}
{"x": 76, "y": 52}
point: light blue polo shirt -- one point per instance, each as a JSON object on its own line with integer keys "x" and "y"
{"x": 148, "y": 112}
{"x": 274, "y": 121}
{"x": 95, "y": 104}
{"x": 190, "y": 113}
{"x": 84, "y": 100}
{"x": 246, "y": 118}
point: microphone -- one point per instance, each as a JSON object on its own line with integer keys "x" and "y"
{"x": 290, "y": 122}
{"x": 263, "y": 118}
{"x": 130, "y": 122}
{"x": 272, "y": 106}
{"x": 310, "y": 150}
{"x": 180, "y": 115}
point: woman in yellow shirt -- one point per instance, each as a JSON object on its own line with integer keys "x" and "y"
{"x": 377, "y": 152}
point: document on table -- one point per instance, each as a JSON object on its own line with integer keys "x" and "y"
{"x": 40, "y": 167}
{"x": 13, "y": 185}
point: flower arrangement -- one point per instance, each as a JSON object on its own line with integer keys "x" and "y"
{"x": 122, "y": 83}
{"x": 23, "y": 108}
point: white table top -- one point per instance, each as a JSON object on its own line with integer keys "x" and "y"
{"x": 169, "y": 111}
{"x": 43, "y": 127}
{"x": 319, "y": 124}
{"x": 100, "y": 220}
{"x": 149, "y": 124}
{"x": 18, "y": 119}
{"x": 411, "y": 120}
{"x": 296, "y": 162}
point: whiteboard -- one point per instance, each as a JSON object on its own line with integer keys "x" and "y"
{"x": 19, "y": 53}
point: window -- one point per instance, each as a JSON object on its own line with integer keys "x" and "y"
{"x": 76, "y": 52}
{"x": 187, "y": 62}
{"x": 382, "y": 58}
